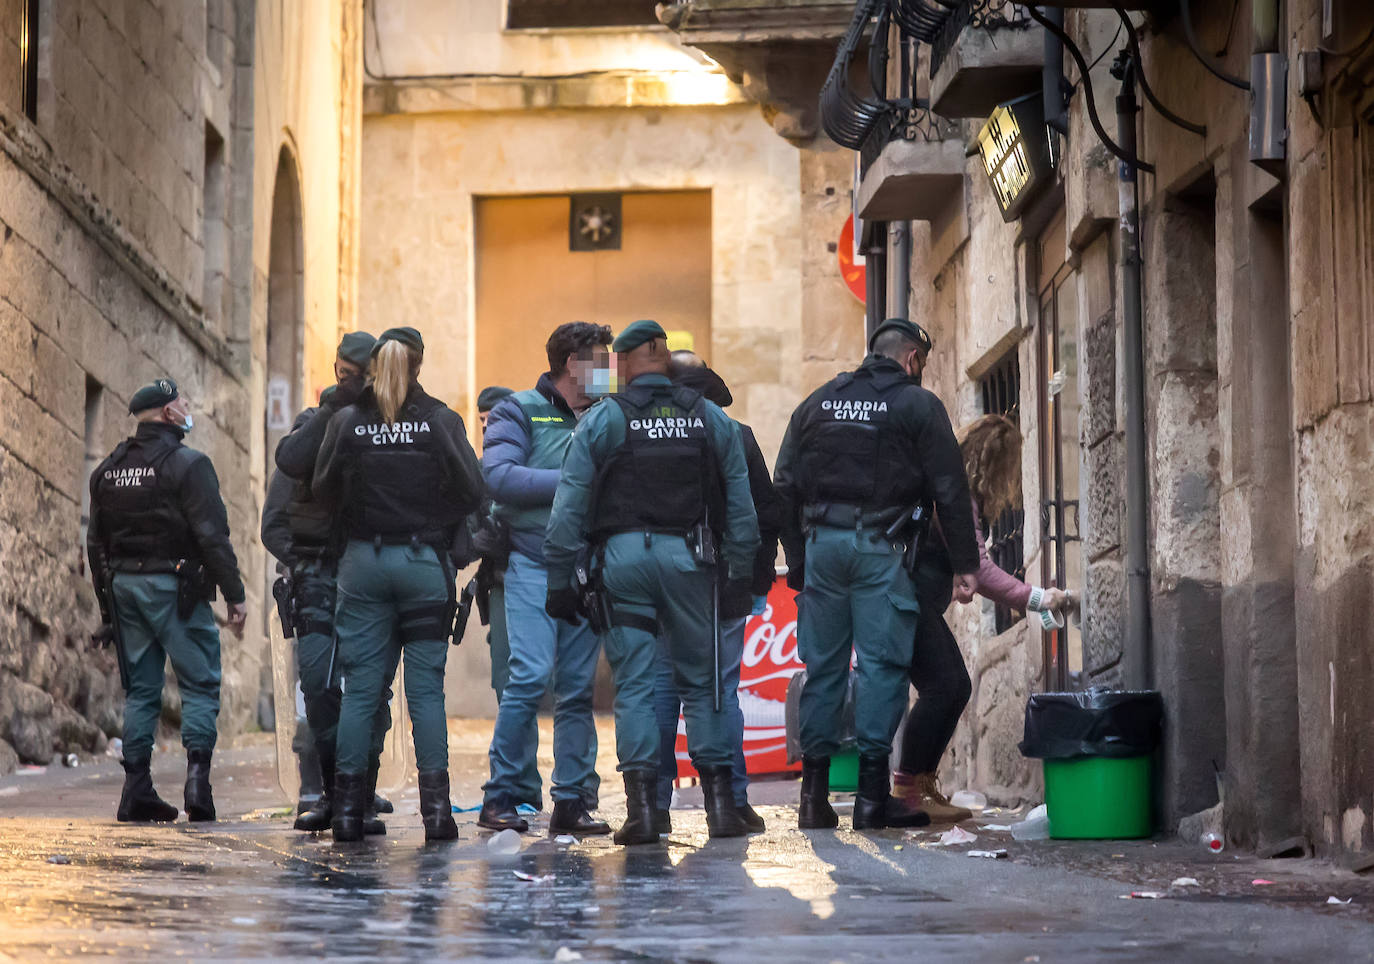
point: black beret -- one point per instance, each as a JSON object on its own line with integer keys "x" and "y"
{"x": 356, "y": 347}
{"x": 637, "y": 333}
{"x": 159, "y": 393}
{"x": 913, "y": 332}
{"x": 489, "y": 396}
{"x": 406, "y": 336}
{"x": 702, "y": 379}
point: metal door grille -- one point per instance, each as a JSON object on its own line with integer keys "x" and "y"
{"x": 1001, "y": 388}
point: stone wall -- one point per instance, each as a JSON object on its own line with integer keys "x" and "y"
{"x": 102, "y": 277}
{"x": 134, "y": 228}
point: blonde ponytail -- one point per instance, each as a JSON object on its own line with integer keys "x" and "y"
{"x": 392, "y": 371}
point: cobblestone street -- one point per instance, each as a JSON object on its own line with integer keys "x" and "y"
{"x": 78, "y": 884}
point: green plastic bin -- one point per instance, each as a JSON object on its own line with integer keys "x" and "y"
{"x": 1100, "y": 798}
{"x": 844, "y": 772}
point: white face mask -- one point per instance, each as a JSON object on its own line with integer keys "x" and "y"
{"x": 603, "y": 383}
{"x": 187, "y": 423}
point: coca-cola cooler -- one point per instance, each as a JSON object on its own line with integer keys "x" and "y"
{"x": 769, "y": 663}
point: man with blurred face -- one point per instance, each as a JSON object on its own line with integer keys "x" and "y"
{"x": 527, "y": 435}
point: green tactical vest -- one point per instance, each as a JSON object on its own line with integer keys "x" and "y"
{"x": 551, "y": 432}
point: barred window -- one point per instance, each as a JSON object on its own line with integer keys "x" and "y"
{"x": 525, "y": 14}
{"x": 1001, "y": 388}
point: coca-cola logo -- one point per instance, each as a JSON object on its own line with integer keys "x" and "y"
{"x": 772, "y": 642}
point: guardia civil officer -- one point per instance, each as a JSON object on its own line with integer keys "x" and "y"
{"x": 860, "y": 452}
{"x": 398, "y": 467}
{"x": 653, "y": 482}
{"x": 736, "y": 604}
{"x": 158, "y": 545}
{"x": 492, "y": 538}
{"x": 309, "y": 549}
{"x": 527, "y": 435}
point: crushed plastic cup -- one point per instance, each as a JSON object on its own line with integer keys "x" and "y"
{"x": 969, "y": 800}
{"x": 504, "y": 844}
{"x": 71, "y": 760}
{"x": 115, "y": 749}
{"x": 1036, "y": 826}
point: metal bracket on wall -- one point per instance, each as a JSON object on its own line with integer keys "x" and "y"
{"x": 1047, "y": 516}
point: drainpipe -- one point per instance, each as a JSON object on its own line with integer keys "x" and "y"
{"x": 899, "y": 270}
{"x": 1138, "y": 664}
{"x": 875, "y": 257}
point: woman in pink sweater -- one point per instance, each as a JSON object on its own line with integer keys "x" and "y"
{"x": 991, "y": 447}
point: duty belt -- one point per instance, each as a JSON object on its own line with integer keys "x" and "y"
{"x": 840, "y": 515}
{"x": 126, "y": 564}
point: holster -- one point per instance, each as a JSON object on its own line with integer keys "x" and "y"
{"x": 595, "y": 606}
{"x": 193, "y": 587}
{"x": 462, "y": 612}
{"x": 284, "y": 592}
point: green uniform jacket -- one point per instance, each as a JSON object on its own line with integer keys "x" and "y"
{"x": 598, "y": 435}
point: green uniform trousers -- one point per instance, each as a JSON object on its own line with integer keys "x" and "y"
{"x": 316, "y": 582}
{"x": 858, "y": 598}
{"x": 655, "y": 578}
{"x": 392, "y": 599}
{"x": 146, "y": 607}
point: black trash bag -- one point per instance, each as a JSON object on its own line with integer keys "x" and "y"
{"x": 1101, "y": 723}
{"x": 792, "y": 716}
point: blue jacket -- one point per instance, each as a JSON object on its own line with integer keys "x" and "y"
{"x": 522, "y": 455}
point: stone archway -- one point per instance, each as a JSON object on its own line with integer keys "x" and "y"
{"x": 284, "y": 374}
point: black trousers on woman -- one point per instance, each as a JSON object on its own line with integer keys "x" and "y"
{"x": 943, "y": 689}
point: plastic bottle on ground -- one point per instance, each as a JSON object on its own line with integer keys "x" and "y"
{"x": 969, "y": 799}
{"x": 1036, "y": 826}
{"x": 1213, "y": 841}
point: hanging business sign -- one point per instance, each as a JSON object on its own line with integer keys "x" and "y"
{"x": 852, "y": 267}
{"x": 1017, "y": 154}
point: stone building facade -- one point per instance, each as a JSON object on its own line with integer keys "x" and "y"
{"x": 475, "y": 132}
{"x": 1255, "y": 277}
{"x": 139, "y": 157}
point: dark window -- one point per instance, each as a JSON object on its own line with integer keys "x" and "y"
{"x": 1002, "y": 396}
{"x": 28, "y": 58}
{"x": 523, "y": 14}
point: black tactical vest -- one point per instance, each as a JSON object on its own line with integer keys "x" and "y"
{"x": 399, "y": 490}
{"x": 850, "y": 450}
{"x": 311, "y": 523}
{"x": 137, "y": 492}
{"x": 665, "y": 477}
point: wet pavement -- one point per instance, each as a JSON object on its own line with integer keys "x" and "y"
{"x": 74, "y": 882}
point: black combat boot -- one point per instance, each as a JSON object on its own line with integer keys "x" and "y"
{"x": 139, "y": 802}
{"x": 663, "y": 822}
{"x": 498, "y": 813}
{"x": 814, "y": 811}
{"x": 350, "y": 796}
{"x": 638, "y": 827}
{"x": 751, "y": 818}
{"x": 317, "y": 818}
{"x": 381, "y": 804}
{"x": 722, "y": 819}
{"x": 435, "y": 809}
{"x": 200, "y": 802}
{"x": 372, "y": 824}
{"x": 572, "y": 816}
{"x": 870, "y": 805}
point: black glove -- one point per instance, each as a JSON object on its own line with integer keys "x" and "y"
{"x": 564, "y": 604}
{"x": 346, "y": 392}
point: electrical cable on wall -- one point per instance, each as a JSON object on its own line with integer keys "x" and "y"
{"x": 1086, "y": 78}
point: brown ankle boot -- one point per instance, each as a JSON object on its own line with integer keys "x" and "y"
{"x": 925, "y": 789}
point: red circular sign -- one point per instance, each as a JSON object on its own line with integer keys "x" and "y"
{"x": 855, "y": 275}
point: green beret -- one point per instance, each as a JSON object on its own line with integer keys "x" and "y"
{"x": 159, "y": 393}
{"x": 489, "y": 396}
{"x": 910, "y": 329}
{"x": 356, "y": 347}
{"x": 406, "y": 336}
{"x": 636, "y": 334}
